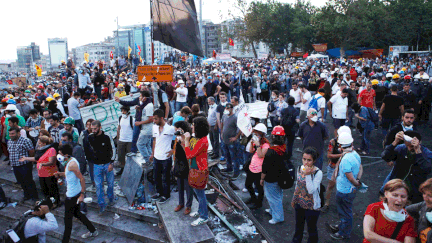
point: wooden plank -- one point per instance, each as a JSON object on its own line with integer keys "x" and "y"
{"x": 178, "y": 226}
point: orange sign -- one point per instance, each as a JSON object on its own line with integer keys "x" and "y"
{"x": 297, "y": 54}
{"x": 320, "y": 47}
{"x": 155, "y": 73}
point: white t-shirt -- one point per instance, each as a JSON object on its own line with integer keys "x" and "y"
{"x": 163, "y": 141}
{"x": 335, "y": 88}
{"x": 339, "y": 106}
{"x": 181, "y": 94}
{"x": 126, "y": 130}
{"x": 296, "y": 95}
{"x": 306, "y": 96}
{"x": 147, "y": 129}
{"x": 321, "y": 102}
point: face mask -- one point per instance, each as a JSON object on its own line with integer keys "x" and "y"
{"x": 274, "y": 97}
{"x": 124, "y": 116}
{"x": 141, "y": 103}
{"x": 181, "y": 85}
{"x": 226, "y": 112}
{"x": 392, "y": 215}
{"x": 7, "y": 116}
{"x": 60, "y": 158}
{"x": 224, "y": 103}
{"x": 429, "y": 216}
{"x": 314, "y": 119}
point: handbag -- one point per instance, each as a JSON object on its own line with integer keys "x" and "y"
{"x": 197, "y": 178}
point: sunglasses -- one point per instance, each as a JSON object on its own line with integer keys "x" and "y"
{"x": 314, "y": 113}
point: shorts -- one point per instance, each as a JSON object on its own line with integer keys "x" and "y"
{"x": 338, "y": 123}
{"x": 330, "y": 171}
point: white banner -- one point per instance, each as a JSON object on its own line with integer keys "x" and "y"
{"x": 107, "y": 113}
{"x": 243, "y": 121}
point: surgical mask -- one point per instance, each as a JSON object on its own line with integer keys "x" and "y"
{"x": 141, "y": 103}
{"x": 181, "y": 85}
{"x": 395, "y": 216}
{"x": 429, "y": 216}
{"x": 7, "y": 116}
{"x": 224, "y": 103}
{"x": 314, "y": 119}
{"x": 274, "y": 97}
{"x": 60, "y": 158}
{"x": 410, "y": 128}
{"x": 124, "y": 116}
{"x": 226, "y": 112}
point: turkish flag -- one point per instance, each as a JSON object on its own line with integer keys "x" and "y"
{"x": 231, "y": 42}
{"x": 9, "y": 81}
{"x": 214, "y": 53}
{"x": 111, "y": 55}
{"x": 306, "y": 55}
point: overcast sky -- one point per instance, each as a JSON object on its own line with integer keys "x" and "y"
{"x": 82, "y": 22}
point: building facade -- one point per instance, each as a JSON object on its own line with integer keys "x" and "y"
{"x": 211, "y": 38}
{"x": 96, "y": 51}
{"x": 27, "y": 55}
{"x": 58, "y": 51}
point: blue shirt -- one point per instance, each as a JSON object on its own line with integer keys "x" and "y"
{"x": 349, "y": 163}
{"x": 73, "y": 183}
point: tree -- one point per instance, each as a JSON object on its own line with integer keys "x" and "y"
{"x": 303, "y": 32}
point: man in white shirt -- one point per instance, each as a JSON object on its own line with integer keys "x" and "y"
{"x": 320, "y": 104}
{"x": 74, "y": 112}
{"x": 146, "y": 123}
{"x": 161, "y": 154}
{"x": 83, "y": 80}
{"x": 295, "y": 92}
{"x": 124, "y": 136}
{"x": 338, "y": 108}
{"x": 181, "y": 95}
{"x": 336, "y": 86}
{"x": 305, "y": 97}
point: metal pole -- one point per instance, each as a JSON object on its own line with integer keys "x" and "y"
{"x": 118, "y": 39}
{"x": 151, "y": 29}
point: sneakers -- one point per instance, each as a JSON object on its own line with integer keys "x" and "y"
{"x": 332, "y": 228}
{"x": 156, "y": 196}
{"x": 194, "y": 214}
{"x": 90, "y": 234}
{"x": 244, "y": 190}
{"x": 199, "y": 221}
{"x": 2, "y": 205}
{"x": 267, "y": 210}
{"x": 163, "y": 200}
{"x": 131, "y": 154}
{"x": 337, "y": 236}
{"x": 272, "y": 221}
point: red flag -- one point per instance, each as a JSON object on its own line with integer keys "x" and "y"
{"x": 231, "y": 42}
{"x": 214, "y": 53}
{"x": 9, "y": 81}
{"x": 111, "y": 55}
{"x": 306, "y": 55}
{"x": 139, "y": 48}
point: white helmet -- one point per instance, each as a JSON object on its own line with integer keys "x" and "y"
{"x": 345, "y": 138}
{"x": 260, "y": 128}
{"x": 389, "y": 75}
{"x": 343, "y": 129}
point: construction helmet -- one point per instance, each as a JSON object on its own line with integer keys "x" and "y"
{"x": 407, "y": 77}
{"x": 396, "y": 76}
{"x": 30, "y": 87}
{"x": 120, "y": 86}
{"x": 11, "y": 101}
{"x": 138, "y": 83}
{"x": 69, "y": 120}
{"x": 260, "y": 128}
{"x": 345, "y": 138}
{"x": 375, "y": 82}
{"x": 343, "y": 129}
{"x": 27, "y": 91}
{"x": 389, "y": 75}
{"x": 56, "y": 95}
{"x": 49, "y": 99}
{"x": 9, "y": 96}
{"x": 40, "y": 86}
{"x": 278, "y": 131}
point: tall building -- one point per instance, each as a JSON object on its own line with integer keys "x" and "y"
{"x": 27, "y": 55}
{"x": 43, "y": 63}
{"x": 96, "y": 51}
{"x": 211, "y": 38}
{"x": 58, "y": 51}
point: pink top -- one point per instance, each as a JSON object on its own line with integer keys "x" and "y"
{"x": 256, "y": 162}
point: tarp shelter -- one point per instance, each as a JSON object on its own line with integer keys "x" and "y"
{"x": 214, "y": 60}
{"x": 317, "y": 56}
{"x": 335, "y": 52}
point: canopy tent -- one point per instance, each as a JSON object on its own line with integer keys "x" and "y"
{"x": 335, "y": 52}
{"x": 319, "y": 56}
{"x": 214, "y": 60}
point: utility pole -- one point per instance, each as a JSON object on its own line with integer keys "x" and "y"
{"x": 151, "y": 29}
{"x": 118, "y": 38}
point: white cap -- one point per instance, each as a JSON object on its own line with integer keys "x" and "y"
{"x": 11, "y": 107}
{"x": 343, "y": 129}
{"x": 275, "y": 72}
{"x": 260, "y": 128}
{"x": 391, "y": 70}
{"x": 345, "y": 138}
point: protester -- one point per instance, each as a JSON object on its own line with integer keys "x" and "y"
{"x": 364, "y": 115}
{"x": 306, "y": 200}
{"x": 230, "y": 135}
{"x": 271, "y": 169}
{"x": 391, "y": 110}
{"x": 289, "y": 121}
{"x": 407, "y": 124}
{"x": 43, "y": 221}
{"x": 214, "y": 129}
{"x": 421, "y": 212}
{"x": 55, "y": 129}
{"x": 144, "y": 144}
{"x": 124, "y": 136}
{"x": 338, "y": 108}
{"x": 77, "y": 151}
{"x": 196, "y": 151}
{"x": 68, "y": 127}
{"x": 88, "y": 151}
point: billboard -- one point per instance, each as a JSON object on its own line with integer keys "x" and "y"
{"x": 58, "y": 52}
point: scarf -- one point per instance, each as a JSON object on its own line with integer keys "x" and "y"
{"x": 279, "y": 149}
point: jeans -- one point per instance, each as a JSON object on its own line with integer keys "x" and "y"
{"x": 289, "y": 141}
{"x": 145, "y": 146}
{"x": 202, "y": 203}
{"x": 91, "y": 170}
{"x": 311, "y": 218}
{"x": 344, "y": 202}
{"x": 162, "y": 176}
{"x": 183, "y": 185}
{"x": 202, "y": 102}
{"x": 24, "y": 177}
{"x": 254, "y": 94}
{"x": 101, "y": 171}
{"x": 214, "y": 139}
{"x": 172, "y": 106}
{"x": 233, "y": 158}
{"x": 135, "y": 135}
{"x": 274, "y": 195}
{"x": 180, "y": 105}
{"x": 350, "y": 117}
{"x": 79, "y": 125}
{"x": 388, "y": 123}
{"x": 72, "y": 209}
{"x": 389, "y": 177}
{"x": 223, "y": 148}
{"x": 274, "y": 121}
{"x": 365, "y": 144}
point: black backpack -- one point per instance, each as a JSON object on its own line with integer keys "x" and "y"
{"x": 271, "y": 106}
{"x": 18, "y": 227}
{"x": 287, "y": 176}
{"x": 130, "y": 121}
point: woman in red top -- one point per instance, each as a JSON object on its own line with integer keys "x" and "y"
{"x": 196, "y": 153}
{"x": 387, "y": 221}
{"x": 46, "y": 166}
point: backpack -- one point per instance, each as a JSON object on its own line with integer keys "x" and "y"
{"x": 130, "y": 121}
{"x": 373, "y": 116}
{"x": 322, "y": 190}
{"x": 271, "y": 106}
{"x": 287, "y": 176}
{"x": 314, "y": 103}
{"x": 18, "y": 227}
{"x": 288, "y": 121}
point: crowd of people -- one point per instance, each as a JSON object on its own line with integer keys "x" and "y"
{"x": 175, "y": 122}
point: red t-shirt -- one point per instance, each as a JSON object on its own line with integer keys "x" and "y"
{"x": 46, "y": 171}
{"x": 3, "y": 119}
{"x": 385, "y": 228}
{"x": 367, "y": 98}
{"x": 199, "y": 152}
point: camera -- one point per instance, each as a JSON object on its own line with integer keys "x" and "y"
{"x": 178, "y": 133}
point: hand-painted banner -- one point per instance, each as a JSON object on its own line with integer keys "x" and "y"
{"x": 107, "y": 113}
{"x": 320, "y": 47}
